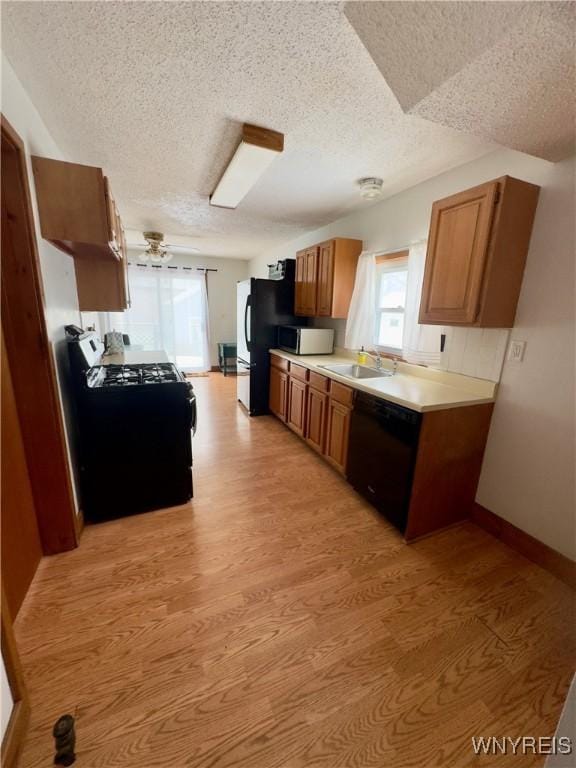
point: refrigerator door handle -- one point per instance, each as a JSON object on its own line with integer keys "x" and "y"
{"x": 246, "y": 308}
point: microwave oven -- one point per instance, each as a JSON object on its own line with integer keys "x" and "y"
{"x": 306, "y": 341}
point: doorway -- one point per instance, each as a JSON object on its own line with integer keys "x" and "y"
{"x": 38, "y": 511}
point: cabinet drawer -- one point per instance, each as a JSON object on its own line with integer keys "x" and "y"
{"x": 279, "y": 362}
{"x": 298, "y": 372}
{"x": 341, "y": 394}
{"x": 319, "y": 382}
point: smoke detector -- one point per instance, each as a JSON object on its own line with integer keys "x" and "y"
{"x": 371, "y": 187}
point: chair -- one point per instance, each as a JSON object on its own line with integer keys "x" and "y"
{"x": 227, "y": 356}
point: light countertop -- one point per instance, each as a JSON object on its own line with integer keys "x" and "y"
{"x": 135, "y": 357}
{"x": 413, "y": 386}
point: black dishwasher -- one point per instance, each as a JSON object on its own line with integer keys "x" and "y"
{"x": 382, "y": 454}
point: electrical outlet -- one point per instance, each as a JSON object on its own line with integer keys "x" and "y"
{"x": 516, "y": 351}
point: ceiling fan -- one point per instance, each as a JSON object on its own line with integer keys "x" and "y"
{"x": 157, "y": 251}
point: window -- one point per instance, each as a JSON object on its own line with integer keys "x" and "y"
{"x": 391, "y": 282}
{"x": 169, "y": 312}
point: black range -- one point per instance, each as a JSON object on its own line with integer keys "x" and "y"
{"x": 135, "y": 423}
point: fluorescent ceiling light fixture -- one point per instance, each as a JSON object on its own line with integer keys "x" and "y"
{"x": 256, "y": 151}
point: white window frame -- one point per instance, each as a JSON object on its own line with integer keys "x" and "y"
{"x": 392, "y": 262}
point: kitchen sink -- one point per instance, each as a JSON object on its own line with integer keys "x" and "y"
{"x": 357, "y": 371}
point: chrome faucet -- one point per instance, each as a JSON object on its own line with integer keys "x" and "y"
{"x": 377, "y": 360}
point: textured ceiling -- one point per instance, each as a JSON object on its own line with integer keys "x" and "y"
{"x": 155, "y": 92}
{"x": 504, "y": 71}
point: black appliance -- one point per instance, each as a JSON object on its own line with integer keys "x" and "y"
{"x": 382, "y": 453}
{"x": 135, "y": 423}
{"x": 262, "y": 305}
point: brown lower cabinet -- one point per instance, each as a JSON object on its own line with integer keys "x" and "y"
{"x": 316, "y": 419}
{"x": 297, "y": 395}
{"x": 448, "y": 457}
{"x": 338, "y": 430}
{"x": 314, "y": 407}
{"x": 278, "y": 401}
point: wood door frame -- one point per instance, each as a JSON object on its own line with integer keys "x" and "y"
{"x": 32, "y": 364}
{"x": 20, "y": 715}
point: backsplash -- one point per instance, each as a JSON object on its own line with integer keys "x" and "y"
{"x": 477, "y": 352}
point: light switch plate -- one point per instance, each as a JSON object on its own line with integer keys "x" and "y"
{"x": 516, "y": 351}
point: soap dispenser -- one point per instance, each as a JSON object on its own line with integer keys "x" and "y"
{"x": 362, "y": 357}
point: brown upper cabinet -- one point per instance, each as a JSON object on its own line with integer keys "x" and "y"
{"x": 306, "y": 282}
{"x": 102, "y": 285}
{"x": 325, "y": 276}
{"x": 78, "y": 214}
{"x": 477, "y": 250}
{"x": 77, "y": 211}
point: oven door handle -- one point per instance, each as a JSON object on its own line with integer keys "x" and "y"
{"x": 193, "y": 414}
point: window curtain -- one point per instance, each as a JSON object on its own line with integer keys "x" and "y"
{"x": 169, "y": 311}
{"x": 420, "y": 343}
{"x": 361, "y": 320}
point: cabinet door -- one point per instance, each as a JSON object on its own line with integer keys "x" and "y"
{"x": 101, "y": 285}
{"x": 124, "y": 258}
{"x": 299, "y": 308}
{"x": 325, "y": 278}
{"x": 278, "y": 393}
{"x": 123, "y": 264}
{"x": 457, "y": 251}
{"x": 74, "y": 207}
{"x": 337, "y": 434}
{"x": 113, "y": 221}
{"x": 297, "y": 406}
{"x": 310, "y": 281}
{"x": 316, "y": 416}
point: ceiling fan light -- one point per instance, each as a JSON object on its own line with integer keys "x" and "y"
{"x": 155, "y": 252}
{"x": 371, "y": 187}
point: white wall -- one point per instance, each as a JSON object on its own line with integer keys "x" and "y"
{"x": 6, "y": 701}
{"x": 57, "y": 268}
{"x": 528, "y": 472}
{"x": 221, "y": 294}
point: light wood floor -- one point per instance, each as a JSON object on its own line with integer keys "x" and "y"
{"x": 278, "y": 621}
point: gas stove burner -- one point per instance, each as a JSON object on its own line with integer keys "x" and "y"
{"x": 156, "y": 376}
{"x": 131, "y": 375}
{"x": 120, "y": 381}
{"x": 159, "y": 373}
